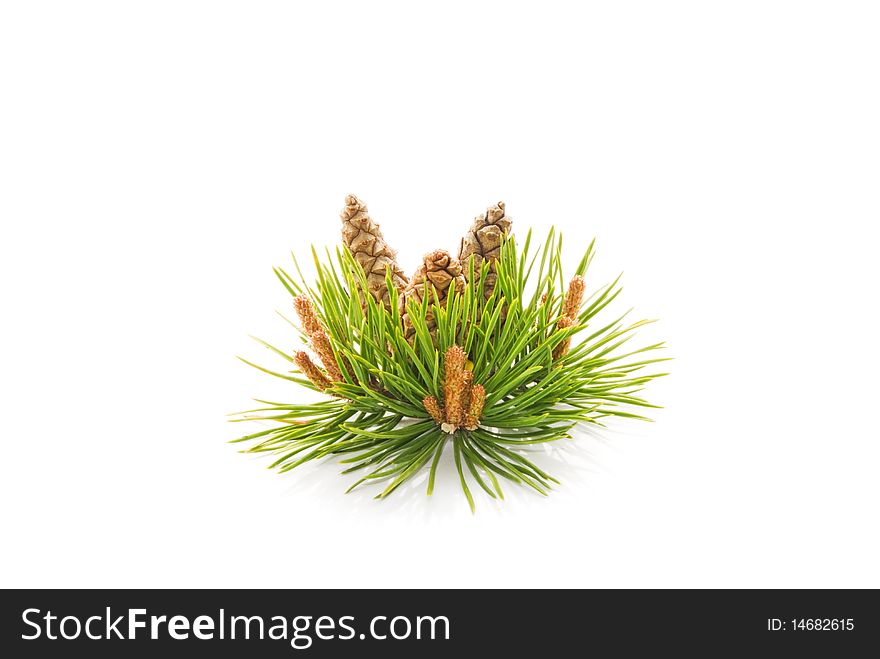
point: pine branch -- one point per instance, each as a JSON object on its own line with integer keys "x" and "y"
{"x": 447, "y": 358}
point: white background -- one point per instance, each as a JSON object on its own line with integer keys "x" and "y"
{"x": 156, "y": 159}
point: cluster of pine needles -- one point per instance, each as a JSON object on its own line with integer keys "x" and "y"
{"x": 543, "y": 361}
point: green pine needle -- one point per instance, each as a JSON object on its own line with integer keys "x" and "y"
{"x": 375, "y": 421}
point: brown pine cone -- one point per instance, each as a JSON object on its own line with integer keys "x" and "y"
{"x": 439, "y": 272}
{"x": 483, "y": 241}
{"x": 364, "y": 240}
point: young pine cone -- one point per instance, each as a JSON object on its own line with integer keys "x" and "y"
{"x": 463, "y": 400}
{"x": 364, "y": 240}
{"x": 483, "y": 241}
{"x": 439, "y": 272}
{"x": 571, "y": 307}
